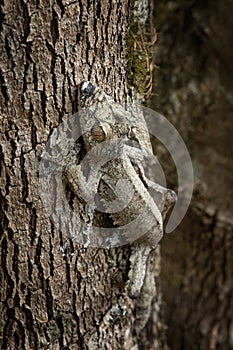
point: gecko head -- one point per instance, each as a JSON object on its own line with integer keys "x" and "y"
{"x": 87, "y": 88}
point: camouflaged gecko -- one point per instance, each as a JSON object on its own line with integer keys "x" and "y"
{"x": 111, "y": 178}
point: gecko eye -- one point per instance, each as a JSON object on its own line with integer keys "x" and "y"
{"x": 87, "y": 88}
{"x": 100, "y": 133}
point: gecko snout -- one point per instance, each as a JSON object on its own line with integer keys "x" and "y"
{"x": 87, "y": 88}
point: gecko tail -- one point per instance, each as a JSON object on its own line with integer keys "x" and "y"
{"x": 137, "y": 273}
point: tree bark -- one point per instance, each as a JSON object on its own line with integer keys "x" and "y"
{"x": 55, "y": 295}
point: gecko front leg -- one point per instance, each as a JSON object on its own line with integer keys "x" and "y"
{"x": 82, "y": 186}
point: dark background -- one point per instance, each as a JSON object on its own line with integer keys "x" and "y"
{"x": 194, "y": 90}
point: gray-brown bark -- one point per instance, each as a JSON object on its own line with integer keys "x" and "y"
{"x": 53, "y": 294}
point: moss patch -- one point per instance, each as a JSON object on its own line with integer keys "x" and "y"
{"x": 140, "y": 54}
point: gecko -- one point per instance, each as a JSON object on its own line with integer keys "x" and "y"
{"x": 111, "y": 177}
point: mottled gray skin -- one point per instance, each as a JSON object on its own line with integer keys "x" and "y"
{"x": 118, "y": 179}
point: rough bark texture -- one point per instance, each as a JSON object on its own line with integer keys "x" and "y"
{"x": 195, "y": 91}
{"x": 55, "y": 295}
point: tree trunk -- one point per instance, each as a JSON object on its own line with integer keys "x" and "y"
{"x": 55, "y": 295}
